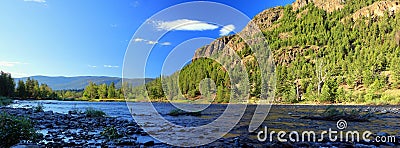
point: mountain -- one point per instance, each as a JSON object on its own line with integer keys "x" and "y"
{"x": 324, "y": 51}
{"x": 79, "y": 82}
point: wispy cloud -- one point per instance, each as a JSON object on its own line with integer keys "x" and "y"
{"x": 135, "y": 4}
{"x": 36, "y": 1}
{"x": 151, "y": 42}
{"x": 110, "y": 66}
{"x": 184, "y": 25}
{"x": 10, "y": 64}
{"x": 226, "y": 30}
{"x": 91, "y": 66}
{"x": 113, "y": 25}
{"x": 138, "y": 40}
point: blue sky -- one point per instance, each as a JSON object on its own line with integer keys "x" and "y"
{"x": 90, "y": 37}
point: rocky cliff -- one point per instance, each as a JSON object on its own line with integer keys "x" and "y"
{"x": 378, "y": 9}
{"x": 327, "y": 5}
{"x": 268, "y": 20}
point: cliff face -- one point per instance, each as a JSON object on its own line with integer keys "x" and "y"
{"x": 266, "y": 20}
{"x": 210, "y": 49}
{"x": 378, "y": 9}
{"x": 327, "y": 5}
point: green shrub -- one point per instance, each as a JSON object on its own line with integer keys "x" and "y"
{"x": 111, "y": 133}
{"x": 5, "y": 101}
{"x": 38, "y": 108}
{"x": 178, "y": 112}
{"x": 332, "y": 112}
{"x": 14, "y": 129}
{"x": 90, "y": 112}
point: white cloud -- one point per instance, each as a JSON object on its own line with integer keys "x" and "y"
{"x": 110, "y": 66}
{"x": 91, "y": 66}
{"x": 151, "y": 42}
{"x": 138, "y": 40}
{"x": 226, "y": 30}
{"x": 184, "y": 25}
{"x": 36, "y": 1}
{"x": 165, "y": 43}
{"x": 10, "y": 64}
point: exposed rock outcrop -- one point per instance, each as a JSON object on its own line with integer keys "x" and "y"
{"x": 263, "y": 20}
{"x": 327, "y": 5}
{"x": 266, "y": 18}
{"x": 377, "y": 9}
{"x": 214, "y": 46}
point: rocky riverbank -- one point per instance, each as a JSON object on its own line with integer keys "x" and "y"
{"x": 75, "y": 129}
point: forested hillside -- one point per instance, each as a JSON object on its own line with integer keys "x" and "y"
{"x": 325, "y": 52}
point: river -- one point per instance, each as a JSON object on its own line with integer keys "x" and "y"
{"x": 280, "y": 118}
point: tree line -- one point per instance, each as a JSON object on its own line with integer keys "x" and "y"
{"x": 24, "y": 90}
{"x": 102, "y": 91}
{"x": 31, "y": 89}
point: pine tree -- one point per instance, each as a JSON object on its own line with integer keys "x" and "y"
{"x": 111, "y": 91}
{"x": 90, "y": 91}
{"x": 102, "y": 91}
{"x": 21, "y": 89}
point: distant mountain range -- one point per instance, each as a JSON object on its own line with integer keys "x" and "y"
{"x": 79, "y": 82}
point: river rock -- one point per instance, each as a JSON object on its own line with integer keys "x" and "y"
{"x": 149, "y": 143}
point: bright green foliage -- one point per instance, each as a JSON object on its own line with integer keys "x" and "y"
{"x": 31, "y": 89}
{"x": 340, "y": 96}
{"x": 90, "y": 91}
{"x": 69, "y": 94}
{"x": 329, "y": 91}
{"x": 111, "y": 91}
{"x": 111, "y": 133}
{"x": 395, "y": 69}
{"x": 102, "y": 91}
{"x": 13, "y": 129}
{"x": 90, "y": 112}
